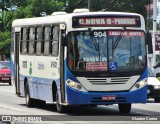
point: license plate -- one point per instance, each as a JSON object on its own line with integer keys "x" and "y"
{"x": 5, "y": 79}
{"x": 108, "y": 97}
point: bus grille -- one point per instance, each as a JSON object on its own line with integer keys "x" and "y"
{"x": 106, "y": 81}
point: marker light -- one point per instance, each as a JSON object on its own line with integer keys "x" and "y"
{"x": 139, "y": 84}
{"x": 72, "y": 84}
{"x": 75, "y": 85}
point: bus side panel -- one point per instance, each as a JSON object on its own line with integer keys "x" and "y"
{"x": 45, "y": 90}
{"x": 22, "y": 88}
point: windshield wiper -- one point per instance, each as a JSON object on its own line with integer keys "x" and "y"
{"x": 96, "y": 45}
{"x": 119, "y": 38}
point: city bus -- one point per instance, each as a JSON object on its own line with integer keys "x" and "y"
{"x": 80, "y": 59}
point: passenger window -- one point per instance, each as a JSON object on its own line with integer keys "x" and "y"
{"x": 23, "y": 48}
{"x": 47, "y": 39}
{"x": 31, "y": 39}
{"x": 55, "y": 40}
{"x": 39, "y": 35}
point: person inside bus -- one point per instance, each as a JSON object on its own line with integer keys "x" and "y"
{"x": 70, "y": 57}
{"x": 73, "y": 53}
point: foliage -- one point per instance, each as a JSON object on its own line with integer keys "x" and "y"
{"x": 47, "y": 6}
{"x": 72, "y": 4}
{"x": 5, "y": 45}
{"x": 18, "y": 3}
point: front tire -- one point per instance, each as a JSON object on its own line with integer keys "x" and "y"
{"x": 60, "y": 107}
{"x": 29, "y": 101}
{"x": 124, "y": 108}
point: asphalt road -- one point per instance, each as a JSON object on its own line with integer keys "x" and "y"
{"x": 14, "y": 107}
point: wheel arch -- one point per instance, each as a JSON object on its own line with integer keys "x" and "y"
{"x": 25, "y": 83}
{"x": 54, "y": 90}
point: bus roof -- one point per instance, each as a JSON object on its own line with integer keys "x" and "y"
{"x": 63, "y": 18}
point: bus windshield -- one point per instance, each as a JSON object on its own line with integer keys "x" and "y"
{"x": 106, "y": 50}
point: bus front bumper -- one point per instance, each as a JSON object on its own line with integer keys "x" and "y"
{"x": 75, "y": 97}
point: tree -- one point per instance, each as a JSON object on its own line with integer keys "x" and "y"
{"x": 18, "y": 3}
{"x": 5, "y": 43}
{"x": 47, "y": 6}
{"x": 72, "y": 4}
{"x": 136, "y": 6}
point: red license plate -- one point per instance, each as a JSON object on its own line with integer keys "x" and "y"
{"x": 108, "y": 97}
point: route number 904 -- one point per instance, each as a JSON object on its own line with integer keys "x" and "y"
{"x": 100, "y": 34}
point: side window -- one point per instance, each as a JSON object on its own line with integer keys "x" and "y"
{"x": 31, "y": 39}
{"x": 55, "y": 40}
{"x": 39, "y": 36}
{"x": 47, "y": 39}
{"x": 23, "y": 48}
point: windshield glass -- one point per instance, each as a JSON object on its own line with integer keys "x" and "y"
{"x": 4, "y": 65}
{"x": 118, "y": 51}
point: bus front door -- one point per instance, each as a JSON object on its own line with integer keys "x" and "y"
{"x": 16, "y": 62}
{"x": 62, "y": 65}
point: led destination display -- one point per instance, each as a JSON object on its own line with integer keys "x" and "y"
{"x": 106, "y": 21}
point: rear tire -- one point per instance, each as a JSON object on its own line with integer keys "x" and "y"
{"x": 124, "y": 108}
{"x": 29, "y": 101}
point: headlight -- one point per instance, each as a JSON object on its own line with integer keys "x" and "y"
{"x": 157, "y": 87}
{"x": 75, "y": 85}
{"x": 139, "y": 84}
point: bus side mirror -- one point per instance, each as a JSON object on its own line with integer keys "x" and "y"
{"x": 63, "y": 34}
{"x": 64, "y": 39}
{"x": 149, "y": 42}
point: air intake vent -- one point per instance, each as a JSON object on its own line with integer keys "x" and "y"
{"x": 106, "y": 81}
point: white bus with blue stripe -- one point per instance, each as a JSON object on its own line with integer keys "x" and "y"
{"x": 82, "y": 58}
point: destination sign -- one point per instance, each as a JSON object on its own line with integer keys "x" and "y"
{"x": 106, "y": 21}
{"x": 126, "y": 33}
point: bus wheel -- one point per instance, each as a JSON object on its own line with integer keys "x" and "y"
{"x": 29, "y": 101}
{"x": 60, "y": 108}
{"x": 124, "y": 108}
